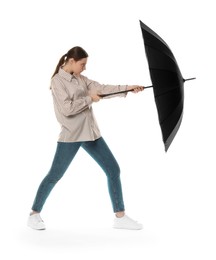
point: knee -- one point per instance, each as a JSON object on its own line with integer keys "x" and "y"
{"x": 115, "y": 171}
{"x": 53, "y": 177}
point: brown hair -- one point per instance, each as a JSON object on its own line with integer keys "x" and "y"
{"x": 77, "y": 53}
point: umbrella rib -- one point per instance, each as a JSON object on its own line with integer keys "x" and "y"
{"x": 151, "y": 32}
{"x": 168, "y": 54}
{"x": 173, "y": 133}
{"x": 174, "y": 72}
{"x": 162, "y": 121}
{"x": 164, "y": 93}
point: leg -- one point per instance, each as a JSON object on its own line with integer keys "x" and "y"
{"x": 101, "y": 153}
{"x": 65, "y": 153}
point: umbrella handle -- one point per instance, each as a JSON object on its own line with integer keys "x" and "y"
{"x": 119, "y": 92}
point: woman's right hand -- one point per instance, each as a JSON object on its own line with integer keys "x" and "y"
{"x": 95, "y": 98}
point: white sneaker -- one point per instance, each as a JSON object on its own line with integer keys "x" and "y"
{"x": 35, "y": 221}
{"x": 126, "y": 223}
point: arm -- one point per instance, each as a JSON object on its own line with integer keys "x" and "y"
{"x": 97, "y": 88}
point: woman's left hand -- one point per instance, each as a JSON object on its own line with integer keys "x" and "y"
{"x": 136, "y": 88}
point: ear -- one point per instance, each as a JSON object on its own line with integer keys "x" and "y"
{"x": 71, "y": 60}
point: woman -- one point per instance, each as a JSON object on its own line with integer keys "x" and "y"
{"x": 73, "y": 95}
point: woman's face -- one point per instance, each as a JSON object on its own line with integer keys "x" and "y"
{"x": 79, "y": 66}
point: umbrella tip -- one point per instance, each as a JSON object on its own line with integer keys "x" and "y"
{"x": 188, "y": 79}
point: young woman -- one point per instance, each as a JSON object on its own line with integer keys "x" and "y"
{"x": 73, "y": 96}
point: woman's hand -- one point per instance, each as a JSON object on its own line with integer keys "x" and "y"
{"x": 95, "y": 98}
{"x": 135, "y": 88}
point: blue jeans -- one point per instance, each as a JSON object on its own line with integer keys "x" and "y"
{"x": 65, "y": 153}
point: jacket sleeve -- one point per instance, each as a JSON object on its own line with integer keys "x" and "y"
{"x": 64, "y": 103}
{"x": 95, "y": 87}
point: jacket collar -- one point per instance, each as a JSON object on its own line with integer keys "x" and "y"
{"x": 66, "y": 75}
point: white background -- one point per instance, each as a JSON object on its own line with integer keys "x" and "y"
{"x": 173, "y": 194}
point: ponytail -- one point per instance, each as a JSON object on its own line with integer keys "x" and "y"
{"x": 60, "y": 63}
{"x": 77, "y": 53}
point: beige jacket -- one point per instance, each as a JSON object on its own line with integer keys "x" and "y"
{"x": 72, "y": 104}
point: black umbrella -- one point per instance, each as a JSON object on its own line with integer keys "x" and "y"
{"x": 167, "y": 84}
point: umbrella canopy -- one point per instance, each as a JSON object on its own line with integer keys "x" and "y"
{"x": 168, "y": 83}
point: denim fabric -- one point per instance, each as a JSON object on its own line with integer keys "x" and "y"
{"x": 64, "y": 155}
